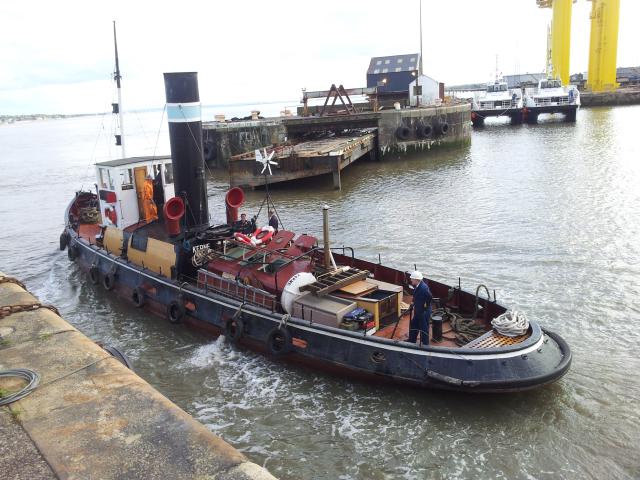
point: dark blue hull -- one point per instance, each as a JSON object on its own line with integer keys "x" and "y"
{"x": 543, "y": 358}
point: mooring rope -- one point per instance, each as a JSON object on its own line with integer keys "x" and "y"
{"x": 511, "y": 323}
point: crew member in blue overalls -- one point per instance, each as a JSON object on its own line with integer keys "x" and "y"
{"x": 421, "y": 309}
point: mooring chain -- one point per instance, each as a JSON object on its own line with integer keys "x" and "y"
{"x": 29, "y": 307}
{"x": 12, "y": 280}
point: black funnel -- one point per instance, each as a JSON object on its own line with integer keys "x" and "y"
{"x": 185, "y": 136}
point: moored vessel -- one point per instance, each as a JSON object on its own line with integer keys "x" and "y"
{"x": 281, "y": 293}
{"x": 496, "y": 101}
{"x": 550, "y": 96}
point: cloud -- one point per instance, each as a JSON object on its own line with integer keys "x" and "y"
{"x": 258, "y": 51}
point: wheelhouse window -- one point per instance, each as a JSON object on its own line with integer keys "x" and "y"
{"x": 102, "y": 173}
{"x": 127, "y": 176}
{"x": 417, "y": 90}
{"x": 111, "y": 184}
{"x": 168, "y": 173}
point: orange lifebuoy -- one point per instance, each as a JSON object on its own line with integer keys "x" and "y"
{"x": 242, "y": 238}
{"x": 263, "y": 235}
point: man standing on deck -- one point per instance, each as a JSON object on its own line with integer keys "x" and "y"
{"x": 421, "y": 309}
{"x": 148, "y": 205}
{"x": 273, "y": 220}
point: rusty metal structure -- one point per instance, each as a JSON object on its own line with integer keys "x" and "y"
{"x": 339, "y": 93}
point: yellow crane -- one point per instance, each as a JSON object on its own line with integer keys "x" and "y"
{"x": 560, "y": 44}
{"x": 603, "y": 45}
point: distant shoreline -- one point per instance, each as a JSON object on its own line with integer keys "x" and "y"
{"x": 9, "y": 119}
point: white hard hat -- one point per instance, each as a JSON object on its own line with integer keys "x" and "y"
{"x": 416, "y": 275}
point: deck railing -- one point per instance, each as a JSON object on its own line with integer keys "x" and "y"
{"x": 233, "y": 288}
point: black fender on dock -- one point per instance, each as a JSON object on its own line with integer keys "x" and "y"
{"x": 403, "y": 132}
{"x": 424, "y": 130}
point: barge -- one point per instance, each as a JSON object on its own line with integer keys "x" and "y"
{"x": 286, "y": 295}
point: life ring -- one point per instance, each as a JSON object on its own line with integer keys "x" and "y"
{"x": 176, "y": 311}
{"x": 64, "y": 240}
{"x": 234, "y": 329}
{"x": 242, "y": 238}
{"x": 263, "y": 235}
{"x": 94, "y": 274}
{"x": 403, "y": 132}
{"x": 138, "y": 296}
{"x": 109, "y": 281}
{"x": 279, "y": 341}
{"x": 72, "y": 252}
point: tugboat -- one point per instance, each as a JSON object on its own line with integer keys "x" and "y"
{"x": 281, "y": 293}
{"x": 497, "y": 101}
{"x": 551, "y": 97}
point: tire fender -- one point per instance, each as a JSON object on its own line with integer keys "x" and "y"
{"x": 234, "y": 329}
{"x": 139, "y": 297}
{"x": 176, "y": 311}
{"x": 109, "y": 281}
{"x": 279, "y": 341}
{"x": 94, "y": 274}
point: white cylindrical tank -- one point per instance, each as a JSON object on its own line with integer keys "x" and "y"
{"x": 291, "y": 290}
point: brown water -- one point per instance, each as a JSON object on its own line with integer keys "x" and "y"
{"x": 548, "y": 215}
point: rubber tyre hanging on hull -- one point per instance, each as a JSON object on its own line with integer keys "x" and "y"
{"x": 234, "y": 329}
{"x": 279, "y": 341}
{"x": 176, "y": 311}
{"x": 64, "y": 240}
{"x": 138, "y": 297}
{"x": 94, "y": 275}
{"x": 403, "y": 133}
{"x": 72, "y": 252}
{"x": 109, "y": 281}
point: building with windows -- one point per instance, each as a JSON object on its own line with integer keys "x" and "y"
{"x": 394, "y": 73}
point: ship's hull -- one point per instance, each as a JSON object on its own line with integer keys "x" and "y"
{"x": 542, "y": 358}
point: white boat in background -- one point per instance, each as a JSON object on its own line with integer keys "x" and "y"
{"x": 496, "y": 101}
{"x": 551, "y": 96}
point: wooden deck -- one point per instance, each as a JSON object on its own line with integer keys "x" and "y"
{"x": 305, "y": 159}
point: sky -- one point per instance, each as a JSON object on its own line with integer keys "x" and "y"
{"x": 57, "y": 56}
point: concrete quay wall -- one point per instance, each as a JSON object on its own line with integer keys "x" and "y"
{"x": 90, "y": 416}
{"x": 222, "y": 140}
{"x": 622, "y": 96}
{"x": 458, "y": 118}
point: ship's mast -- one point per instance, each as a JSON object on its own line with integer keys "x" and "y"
{"x": 117, "y": 107}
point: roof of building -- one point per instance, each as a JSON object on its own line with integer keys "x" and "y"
{"x": 423, "y": 77}
{"x": 394, "y": 63}
{"x": 132, "y": 160}
{"x": 628, "y": 72}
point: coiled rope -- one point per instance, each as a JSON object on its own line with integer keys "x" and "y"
{"x": 511, "y": 323}
{"x": 30, "y": 376}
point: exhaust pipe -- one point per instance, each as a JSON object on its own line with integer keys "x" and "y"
{"x": 185, "y": 137}
{"x": 234, "y": 200}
